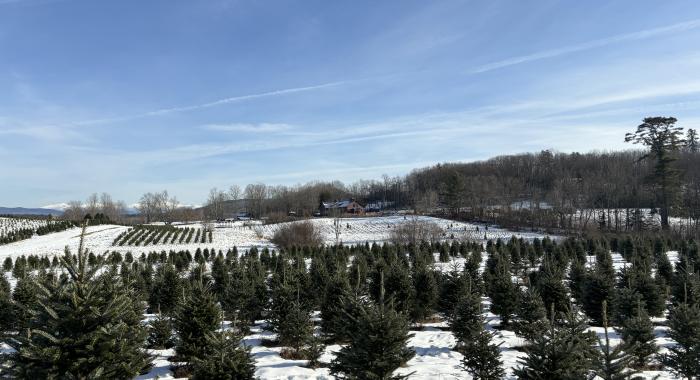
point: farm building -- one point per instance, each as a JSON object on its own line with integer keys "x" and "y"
{"x": 347, "y": 206}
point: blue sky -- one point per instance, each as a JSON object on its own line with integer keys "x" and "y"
{"x": 136, "y": 96}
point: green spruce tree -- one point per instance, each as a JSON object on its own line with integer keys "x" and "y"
{"x": 684, "y": 357}
{"x": 196, "y": 316}
{"x": 7, "y": 308}
{"x": 379, "y": 345}
{"x": 426, "y": 293}
{"x": 160, "y": 333}
{"x": 482, "y": 358}
{"x": 638, "y": 337}
{"x": 83, "y": 326}
{"x": 613, "y": 363}
{"x": 466, "y": 321}
{"x": 531, "y": 315}
{"x": 563, "y": 351}
{"x": 226, "y": 359}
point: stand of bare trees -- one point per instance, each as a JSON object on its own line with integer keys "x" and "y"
{"x": 158, "y": 207}
{"x": 94, "y": 205}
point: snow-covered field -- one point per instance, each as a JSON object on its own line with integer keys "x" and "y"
{"x": 243, "y": 235}
{"x": 9, "y": 225}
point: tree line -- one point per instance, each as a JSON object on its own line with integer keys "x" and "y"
{"x": 621, "y": 191}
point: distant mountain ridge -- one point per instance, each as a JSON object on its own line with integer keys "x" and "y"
{"x": 29, "y": 211}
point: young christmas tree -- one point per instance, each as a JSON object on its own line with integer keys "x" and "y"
{"x": 378, "y": 346}
{"x": 481, "y": 357}
{"x": 313, "y": 350}
{"x": 531, "y": 315}
{"x": 638, "y": 337}
{"x": 549, "y": 283}
{"x": 597, "y": 288}
{"x": 624, "y": 304}
{"x": 166, "y": 290}
{"x": 453, "y": 286}
{"x": 613, "y": 363}
{"x": 296, "y": 328}
{"x": 85, "y": 326}
{"x": 196, "y": 316}
{"x": 466, "y": 321}
{"x": 226, "y": 359}
{"x": 160, "y": 333}
{"x": 7, "y": 308}
{"x": 559, "y": 352}
{"x": 426, "y": 293}
{"x": 504, "y": 296}
{"x": 684, "y": 357}
{"x": 334, "y": 321}
{"x": 25, "y": 297}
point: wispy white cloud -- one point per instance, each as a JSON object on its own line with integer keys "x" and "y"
{"x": 214, "y": 103}
{"x": 240, "y": 98}
{"x": 249, "y": 128}
{"x": 48, "y": 133}
{"x": 640, "y": 35}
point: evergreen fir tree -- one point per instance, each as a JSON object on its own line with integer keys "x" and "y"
{"x": 25, "y": 297}
{"x": 597, "y": 288}
{"x": 575, "y": 333}
{"x": 160, "y": 333}
{"x": 196, "y": 316}
{"x": 577, "y": 279}
{"x": 443, "y": 256}
{"x": 624, "y": 304}
{"x": 166, "y": 290}
{"x": 453, "y": 286}
{"x": 83, "y": 326}
{"x": 320, "y": 278}
{"x": 466, "y": 321}
{"x": 296, "y": 328}
{"x": 7, "y": 264}
{"x": 482, "y": 358}
{"x": 559, "y": 352}
{"x": 531, "y": 315}
{"x": 334, "y": 320}
{"x": 399, "y": 287}
{"x": 221, "y": 278}
{"x": 686, "y": 283}
{"x": 548, "y": 282}
{"x": 612, "y": 363}
{"x": 378, "y": 346}
{"x": 313, "y": 351}
{"x": 226, "y": 359}
{"x": 284, "y": 304}
{"x": 684, "y": 357}
{"x": 7, "y": 308}
{"x": 426, "y": 293}
{"x": 504, "y": 296}
{"x": 638, "y": 337}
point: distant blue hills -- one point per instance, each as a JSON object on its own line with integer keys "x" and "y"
{"x": 29, "y": 211}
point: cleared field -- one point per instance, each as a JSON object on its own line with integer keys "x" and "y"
{"x": 108, "y": 238}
